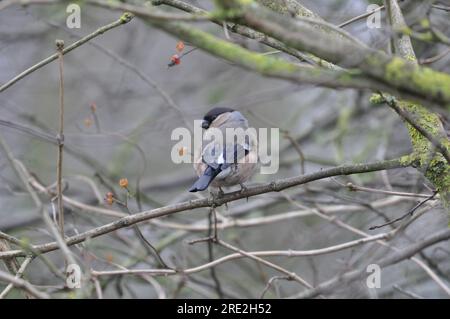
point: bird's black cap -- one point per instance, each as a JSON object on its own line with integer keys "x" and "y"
{"x": 213, "y": 114}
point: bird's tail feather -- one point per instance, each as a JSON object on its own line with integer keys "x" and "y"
{"x": 203, "y": 181}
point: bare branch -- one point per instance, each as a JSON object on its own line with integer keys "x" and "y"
{"x": 395, "y": 258}
{"x": 209, "y": 202}
{"x": 22, "y": 284}
{"x": 19, "y": 275}
{"x": 60, "y": 138}
{"x": 125, "y": 18}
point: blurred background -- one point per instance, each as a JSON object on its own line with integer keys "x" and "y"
{"x": 118, "y": 125}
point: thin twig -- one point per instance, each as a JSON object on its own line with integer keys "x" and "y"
{"x": 93, "y": 108}
{"x": 361, "y": 16}
{"x": 19, "y": 274}
{"x": 435, "y": 58}
{"x": 408, "y": 293}
{"x": 440, "y": 7}
{"x": 28, "y": 130}
{"x": 212, "y": 233}
{"x": 125, "y": 18}
{"x": 10, "y": 238}
{"x": 23, "y": 284}
{"x": 98, "y": 288}
{"x": 60, "y": 138}
{"x": 7, "y": 3}
{"x": 409, "y": 213}
{"x": 354, "y": 188}
{"x": 150, "y": 13}
{"x": 24, "y": 176}
{"x": 270, "y": 282}
{"x": 147, "y": 245}
{"x": 290, "y": 274}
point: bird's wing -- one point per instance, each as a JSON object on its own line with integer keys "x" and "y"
{"x": 222, "y": 156}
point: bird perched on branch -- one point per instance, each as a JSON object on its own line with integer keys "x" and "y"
{"x": 227, "y": 160}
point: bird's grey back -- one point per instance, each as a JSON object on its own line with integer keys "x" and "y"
{"x": 235, "y": 119}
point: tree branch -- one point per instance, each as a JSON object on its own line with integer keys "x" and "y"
{"x": 125, "y": 18}
{"x": 415, "y": 81}
{"x": 395, "y": 258}
{"x": 20, "y": 283}
{"x": 274, "y": 186}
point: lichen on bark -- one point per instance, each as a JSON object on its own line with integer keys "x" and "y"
{"x": 426, "y": 158}
{"x": 405, "y": 69}
{"x": 399, "y": 70}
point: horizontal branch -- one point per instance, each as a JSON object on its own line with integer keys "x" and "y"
{"x": 152, "y": 13}
{"x": 274, "y": 186}
{"x": 268, "y": 253}
{"x": 257, "y": 221}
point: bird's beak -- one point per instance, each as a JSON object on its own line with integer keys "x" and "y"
{"x": 205, "y": 125}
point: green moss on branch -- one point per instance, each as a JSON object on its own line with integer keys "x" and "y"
{"x": 232, "y": 52}
{"x": 437, "y": 84}
{"x": 263, "y": 64}
{"x": 408, "y": 78}
{"x": 427, "y": 158}
{"x": 428, "y": 139}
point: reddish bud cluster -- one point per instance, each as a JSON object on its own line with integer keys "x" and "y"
{"x": 109, "y": 198}
{"x": 176, "y": 58}
{"x": 123, "y": 182}
{"x": 180, "y": 46}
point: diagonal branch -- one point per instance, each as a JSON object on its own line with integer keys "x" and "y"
{"x": 421, "y": 82}
{"x": 125, "y": 18}
{"x": 425, "y": 127}
{"x": 23, "y": 284}
{"x": 440, "y": 145}
{"x": 274, "y": 186}
{"x": 395, "y": 258}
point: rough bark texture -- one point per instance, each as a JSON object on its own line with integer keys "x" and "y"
{"x": 434, "y": 166}
{"x": 402, "y": 71}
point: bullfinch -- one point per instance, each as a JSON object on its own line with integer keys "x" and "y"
{"x": 222, "y": 162}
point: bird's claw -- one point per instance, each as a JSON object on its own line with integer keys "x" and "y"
{"x": 221, "y": 193}
{"x": 243, "y": 189}
{"x": 215, "y": 196}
